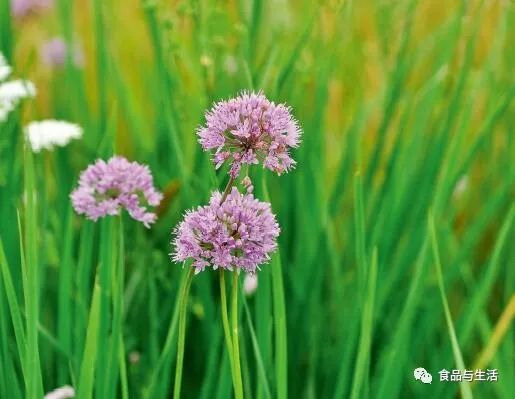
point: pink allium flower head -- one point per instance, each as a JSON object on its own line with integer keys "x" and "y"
{"x": 239, "y": 233}
{"x": 22, "y": 8}
{"x": 106, "y": 187}
{"x": 55, "y": 51}
{"x": 250, "y": 129}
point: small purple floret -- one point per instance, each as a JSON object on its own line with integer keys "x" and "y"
{"x": 107, "y": 187}
{"x": 22, "y": 8}
{"x": 240, "y": 233}
{"x": 250, "y": 129}
{"x": 55, "y": 51}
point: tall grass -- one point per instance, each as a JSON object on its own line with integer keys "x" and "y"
{"x": 407, "y": 110}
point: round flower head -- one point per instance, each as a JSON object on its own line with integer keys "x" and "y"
{"x": 239, "y": 233}
{"x": 106, "y": 187}
{"x": 250, "y": 129}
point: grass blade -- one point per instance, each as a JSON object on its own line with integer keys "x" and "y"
{"x": 33, "y": 376}
{"x": 257, "y": 351}
{"x": 87, "y": 369}
{"x": 367, "y": 321}
{"x": 14, "y": 309}
{"x": 281, "y": 338}
{"x": 466, "y": 392}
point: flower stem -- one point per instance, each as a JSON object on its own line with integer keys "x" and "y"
{"x": 181, "y": 337}
{"x": 225, "y": 322}
{"x": 238, "y": 385}
{"x": 227, "y": 190}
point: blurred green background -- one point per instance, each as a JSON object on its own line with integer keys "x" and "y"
{"x": 407, "y": 116}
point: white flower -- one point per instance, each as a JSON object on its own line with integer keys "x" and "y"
{"x": 13, "y": 91}
{"x": 5, "y": 69}
{"x": 65, "y": 392}
{"x": 231, "y": 64}
{"x": 250, "y": 284}
{"x": 134, "y": 357}
{"x": 461, "y": 186}
{"x": 49, "y": 133}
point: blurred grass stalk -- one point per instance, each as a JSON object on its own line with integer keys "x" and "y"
{"x": 279, "y": 311}
{"x": 31, "y": 279}
{"x": 226, "y": 327}
{"x": 183, "y": 308}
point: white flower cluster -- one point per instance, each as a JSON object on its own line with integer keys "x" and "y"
{"x": 65, "y": 392}
{"x": 11, "y": 92}
{"x": 40, "y": 134}
{"x": 50, "y": 133}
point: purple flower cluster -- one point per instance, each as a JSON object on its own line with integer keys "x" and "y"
{"x": 107, "y": 187}
{"x": 22, "y": 8}
{"x": 55, "y": 51}
{"x": 250, "y": 129}
{"x": 239, "y": 232}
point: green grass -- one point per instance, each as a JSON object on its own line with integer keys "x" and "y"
{"x": 458, "y": 357}
{"x": 399, "y": 103}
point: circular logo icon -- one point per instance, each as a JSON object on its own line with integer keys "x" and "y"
{"x": 421, "y": 374}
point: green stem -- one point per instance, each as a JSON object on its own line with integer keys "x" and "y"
{"x": 227, "y": 190}
{"x": 117, "y": 291}
{"x": 106, "y": 264}
{"x": 123, "y": 370}
{"x": 238, "y": 385}
{"x": 225, "y": 322}
{"x": 181, "y": 337}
